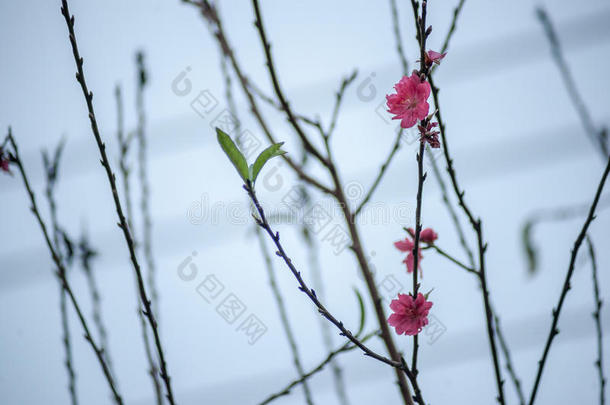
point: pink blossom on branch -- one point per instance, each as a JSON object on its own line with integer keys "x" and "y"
{"x": 409, "y": 104}
{"x": 428, "y": 134}
{"x": 434, "y": 57}
{"x": 407, "y": 245}
{"x": 410, "y": 261}
{"x": 428, "y": 235}
{"x": 4, "y": 162}
{"x": 410, "y": 315}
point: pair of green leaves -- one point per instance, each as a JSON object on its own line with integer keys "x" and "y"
{"x": 247, "y": 173}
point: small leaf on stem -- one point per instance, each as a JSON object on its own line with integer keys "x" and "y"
{"x": 233, "y": 153}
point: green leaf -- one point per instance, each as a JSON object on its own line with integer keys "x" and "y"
{"x": 362, "y": 312}
{"x": 233, "y": 153}
{"x": 529, "y": 247}
{"x": 269, "y": 153}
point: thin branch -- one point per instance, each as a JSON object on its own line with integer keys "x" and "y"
{"x": 338, "y": 99}
{"x": 509, "y": 364}
{"x": 422, "y": 35}
{"x": 381, "y": 173}
{"x": 80, "y": 77}
{"x": 62, "y": 271}
{"x": 86, "y": 254}
{"x": 598, "y": 324}
{"x": 275, "y": 237}
{"x": 478, "y": 229}
{"x": 566, "y": 284}
{"x": 368, "y": 276}
{"x": 210, "y": 15}
{"x": 318, "y": 285}
{"x": 283, "y": 315}
{"x": 270, "y": 101}
{"x": 456, "y": 14}
{"x": 450, "y": 209}
{"x": 267, "y": 259}
{"x": 278, "y": 91}
{"x": 398, "y": 38}
{"x": 145, "y": 183}
{"x": 124, "y": 144}
{"x": 451, "y": 258}
{"x": 599, "y": 137}
{"x": 51, "y": 166}
{"x": 346, "y": 347}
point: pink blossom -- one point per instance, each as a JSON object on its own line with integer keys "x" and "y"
{"x": 434, "y": 57}
{"x": 409, "y": 104}
{"x": 407, "y": 245}
{"x": 4, "y": 162}
{"x": 410, "y": 261}
{"x": 428, "y": 235}
{"x": 410, "y": 315}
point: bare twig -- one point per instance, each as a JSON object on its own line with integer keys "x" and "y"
{"x": 318, "y": 285}
{"x": 80, "y": 77}
{"x": 509, "y": 364}
{"x": 267, "y": 259}
{"x": 338, "y": 99}
{"x": 599, "y": 136}
{"x": 142, "y": 81}
{"x": 566, "y": 284}
{"x": 283, "y": 315}
{"x": 62, "y": 271}
{"x": 124, "y": 144}
{"x": 451, "y": 210}
{"x": 258, "y": 23}
{"x": 275, "y": 237}
{"x": 346, "y": 347}
{"x": 398, "y": 38}
{"x": 481, "y": 245}
{"x": 368, "y": 276}
{"x": 86, "y": 254}
{"x": 215, "y": 25}
{"x": 598, "y": 324}
{"x": 450, "y": 258}
{"x": 381, "y": 173}
{"x": 270, "y": 101}
{"x": 51, "y": 165}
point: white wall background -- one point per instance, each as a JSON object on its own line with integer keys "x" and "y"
{"x": 517, "y": 142}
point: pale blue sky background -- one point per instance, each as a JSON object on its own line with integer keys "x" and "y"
{"x": 517, "y": 142}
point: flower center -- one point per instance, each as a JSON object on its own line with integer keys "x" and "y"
{"x": 410, "y": 103}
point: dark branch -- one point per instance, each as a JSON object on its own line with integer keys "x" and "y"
{"x": 62, "y": 271}
{"x": 599, "y": 137}
{"x": 124, "y": 170}
{"x": 598, "y": 324}
{"x": 80, "y": 77}
{"x": 51, "y": 166}
{"x": 345, "y": 348}
{"x": 296, "y": 358}
{"x": 566, "y": 284}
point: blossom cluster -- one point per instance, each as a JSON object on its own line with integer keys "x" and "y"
{"x": 410, "y": 314}
{"x": 410, "y": 102}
